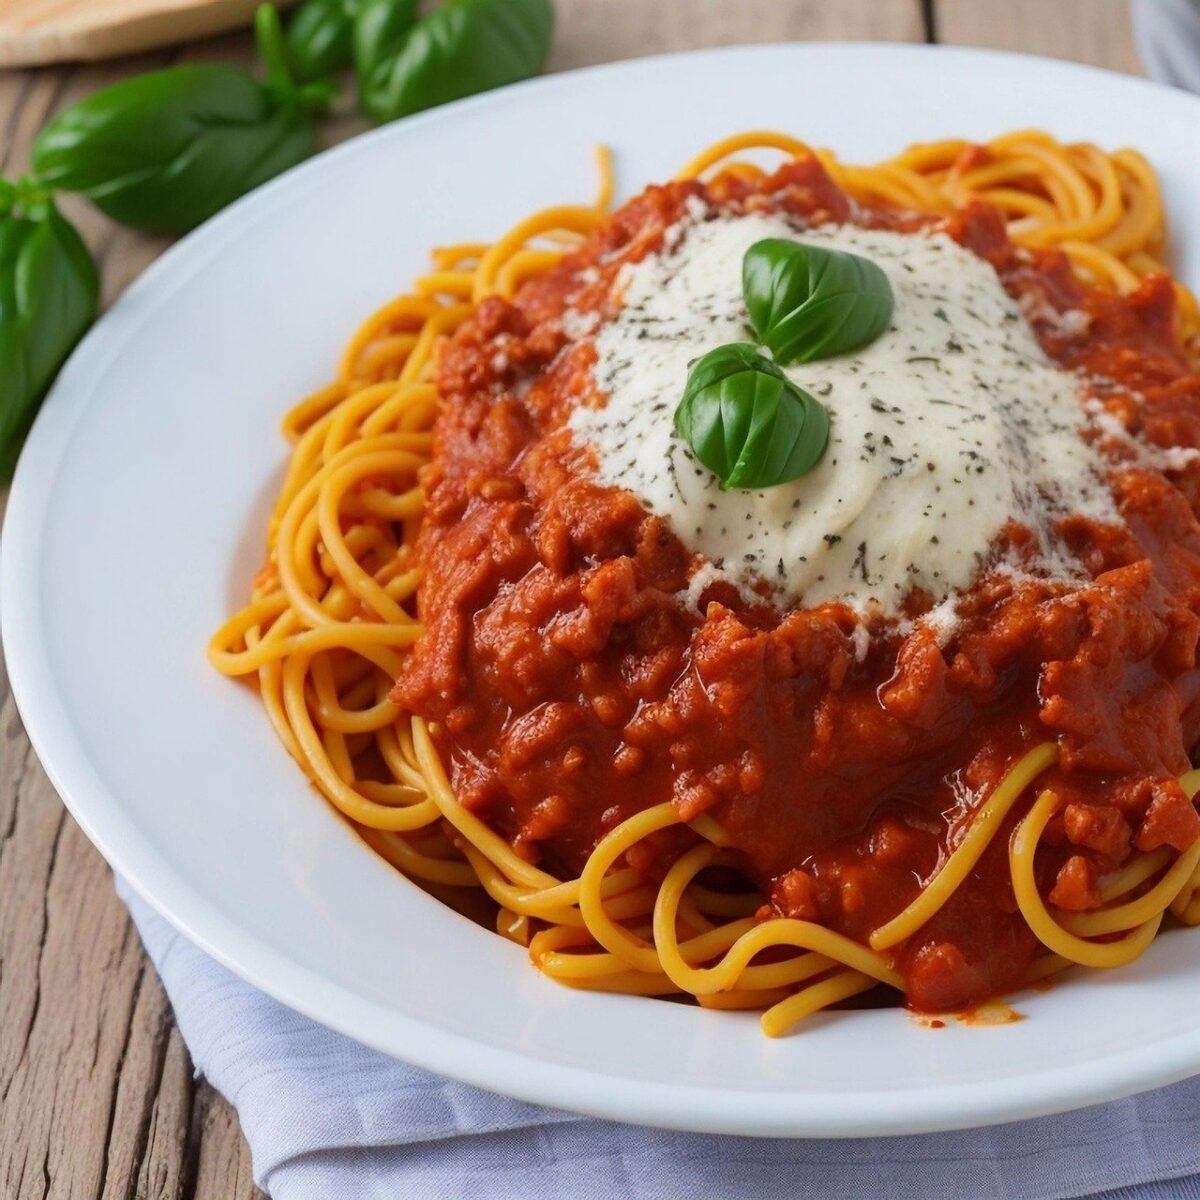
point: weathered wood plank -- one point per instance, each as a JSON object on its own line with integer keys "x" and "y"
{"x": 1088, "y": 31}
{"x": 163, "y": 1172}
{"x": 69, "y": 996}
{"x": 151, "y": 1111}
{"x": 222, "y": 1166}
{"x": 594, "y": 31}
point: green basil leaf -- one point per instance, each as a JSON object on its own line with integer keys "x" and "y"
{"x": 320, "y": 38}
{"x": 380, "y": 31}
{"x": 463, "y": 47}
{"x": 49, "y": 290}
{"x": 807, "y": 302}
{"x": 164, "y": 151}
{"x": 747, "y": 422}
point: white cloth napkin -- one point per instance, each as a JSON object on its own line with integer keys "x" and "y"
{"x": 328, "y": 1119}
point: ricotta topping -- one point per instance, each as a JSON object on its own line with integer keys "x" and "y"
{"x": 950, "y": 424}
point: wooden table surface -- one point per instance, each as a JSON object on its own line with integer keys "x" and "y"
{"x": 97, "y": 1097}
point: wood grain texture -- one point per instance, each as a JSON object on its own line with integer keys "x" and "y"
{"x": 97, "y": 1098}
{"x": 1087, "y": 31}
{"x": 594, "y": 31}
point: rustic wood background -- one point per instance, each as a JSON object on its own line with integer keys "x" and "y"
{"x": 97, "y": 1096}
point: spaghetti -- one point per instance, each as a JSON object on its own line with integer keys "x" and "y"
{"x": 332, "y": 620}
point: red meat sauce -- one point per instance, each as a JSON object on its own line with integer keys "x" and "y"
{"x": 573, "y": 686}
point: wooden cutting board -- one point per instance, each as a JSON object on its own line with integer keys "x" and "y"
{"x": 45, "y": 31}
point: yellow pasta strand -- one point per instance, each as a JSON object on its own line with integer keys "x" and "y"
{"x": 984, "y": 823}
{"x": 1052, "y": 935}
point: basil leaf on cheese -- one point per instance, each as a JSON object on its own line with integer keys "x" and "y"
{"x": 747, "y": 422}
{"x": 807, "y": 302}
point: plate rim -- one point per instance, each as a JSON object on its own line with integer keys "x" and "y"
{"x": 906, "y": 1110}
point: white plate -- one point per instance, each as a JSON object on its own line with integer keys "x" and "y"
{"x": 136, "y": 523}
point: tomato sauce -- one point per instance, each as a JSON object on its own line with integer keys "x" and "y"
{"x": 572, "y": 685}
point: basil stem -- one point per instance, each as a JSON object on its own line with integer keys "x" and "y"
{"x": 313, "y": 97}
{"x": 49, "y": 290}
{"x": 462, "y": 47}
{"x": 747, "y": 422}
{"x": 807, "y": 302}
{"x": 166, "y": 150}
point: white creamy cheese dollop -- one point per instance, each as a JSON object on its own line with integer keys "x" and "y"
{"x": 947, "y": 426}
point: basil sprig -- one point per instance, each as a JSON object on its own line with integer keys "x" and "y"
{"x": 462, "y": 47}
{"x": 747, "y": 422}
{"x": 165, "y": 150}
{"x": 807, "y": 302}
{"x": 48, "y": 294}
